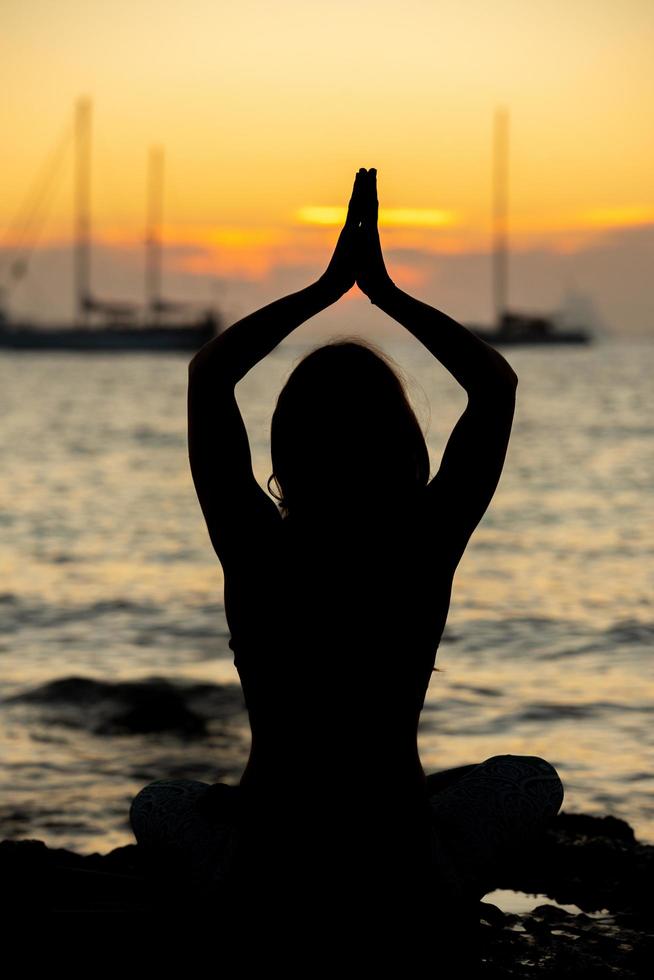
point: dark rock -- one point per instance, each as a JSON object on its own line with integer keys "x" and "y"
{"x": 594, "y": 863}
{"x": 159, "y": 709}
{"x": 584, "y": 825}
{"x": 154, "y": 704}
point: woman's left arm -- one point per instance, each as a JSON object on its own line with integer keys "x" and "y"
{"x": 229, "y": 356}
{"x": 237, "y": 511}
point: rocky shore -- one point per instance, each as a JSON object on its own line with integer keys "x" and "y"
{"x": 593, "y": 863}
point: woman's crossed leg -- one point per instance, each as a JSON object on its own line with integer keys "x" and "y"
{"x": 488, "y": 814}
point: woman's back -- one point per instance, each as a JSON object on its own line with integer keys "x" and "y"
{"x": 335, "y": 630}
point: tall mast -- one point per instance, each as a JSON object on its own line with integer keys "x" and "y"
{"x": 500, "y": 208}
{"x": 82, "y": 209}
{"x": 153, "y": 233}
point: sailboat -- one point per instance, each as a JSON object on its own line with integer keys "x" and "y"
{"x": 512, "y": 327}
{"x": 109, "y": 324}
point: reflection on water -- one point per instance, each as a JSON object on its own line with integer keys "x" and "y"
{"x": 108, "y": 573}
{"x": 519, "y": 903}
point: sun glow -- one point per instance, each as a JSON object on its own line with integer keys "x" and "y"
{"x": 390, "y": 217}
{"x": 265, "y": 112}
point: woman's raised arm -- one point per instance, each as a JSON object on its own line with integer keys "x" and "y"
{"x": 229, "y": 356}
{"x": 238, "y": 513}
{"x": 474, "y": 457}
{"x": 474, "y": 363}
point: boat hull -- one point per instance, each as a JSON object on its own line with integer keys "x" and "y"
{"x": 183, "y": 338}
{"x": 501, "y": 339}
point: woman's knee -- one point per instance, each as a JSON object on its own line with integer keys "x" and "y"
{"x": 165, "y": 787}
{"x": 163, "y": 796}
{"x": 173, "y": 787}
{"x": 534, "y": 762}
{"x": 534, "y": 767}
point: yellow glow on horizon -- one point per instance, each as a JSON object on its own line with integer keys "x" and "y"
{"x": 316, "y": 231}
{"x": 390, "y": 217}
{"x": 619, "y": 217}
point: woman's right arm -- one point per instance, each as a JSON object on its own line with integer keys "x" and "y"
{"x": 474, "y": 363}
{"x": 477, "y": 366}
{"x": 473, "y": 459}
{"x": 472, "y": 462}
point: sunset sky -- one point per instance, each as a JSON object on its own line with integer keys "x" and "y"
{"x": 266, "y": 110}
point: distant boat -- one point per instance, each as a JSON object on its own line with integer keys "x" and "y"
{"x": 511, "y": 327}
{"x": 110, "y": 336}
{"x": 111, "y": 325}
{"x": 518, "y": 328}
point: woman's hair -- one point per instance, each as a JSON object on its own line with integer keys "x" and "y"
{"x": 343, "y": 425}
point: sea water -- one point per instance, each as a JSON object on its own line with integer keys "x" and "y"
{"x": 111, "y": 594}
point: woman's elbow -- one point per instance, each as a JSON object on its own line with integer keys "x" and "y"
{"x": 505, "y": 376}
{"x": 503, "y": 380}
{"x": 505, "y": 373}
{"x": 193, "y": 364}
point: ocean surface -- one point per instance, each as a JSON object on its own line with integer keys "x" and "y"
{"x": 113, "y": 643}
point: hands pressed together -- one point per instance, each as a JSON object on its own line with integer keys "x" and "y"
{"x": 358, "y": 255}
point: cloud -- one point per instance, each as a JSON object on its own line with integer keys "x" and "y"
{"x": 613, "y": 270}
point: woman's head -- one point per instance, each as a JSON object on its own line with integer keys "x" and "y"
{"x": 344, "y": 435}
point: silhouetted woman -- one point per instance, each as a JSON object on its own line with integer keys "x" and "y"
{"x": 336, "y": 599}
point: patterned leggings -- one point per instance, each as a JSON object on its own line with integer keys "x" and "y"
{"x": 481, "y": 816}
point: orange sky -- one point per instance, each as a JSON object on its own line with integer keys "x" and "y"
{"x": 266, "y": 110}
